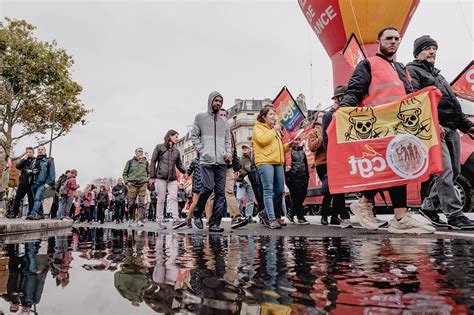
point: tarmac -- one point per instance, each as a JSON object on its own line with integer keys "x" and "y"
{"x": 19, "y": 227}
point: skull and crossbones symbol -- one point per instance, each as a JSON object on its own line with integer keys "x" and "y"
{"x": 362, "y": 126}
{"x": 410, "y": 121}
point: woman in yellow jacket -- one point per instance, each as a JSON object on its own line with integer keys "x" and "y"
{"x": 269, "y": 153}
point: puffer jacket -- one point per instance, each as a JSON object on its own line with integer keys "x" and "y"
{"x": 267, "y": 144}
{"x": 211, "y": 135}
{"x": 450, "y": 113}
{"x": 136, "y": 172}
{"x": 164, "y": 161}
{"x": 120, "y": 193}
{"x": 195, "y": 169}
{"x": 299, "y": 163}
{"x": 45, "y": 170}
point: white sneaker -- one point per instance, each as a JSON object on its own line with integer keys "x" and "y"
{"x": 409, "y": 225}
{"x": 364, "y": 214}
{"x": 381, "y": 223}
{"x": 140, "y": 223}
{"x": 345, "y": 223}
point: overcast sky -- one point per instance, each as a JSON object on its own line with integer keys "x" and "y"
{"x": 149, "y": 66}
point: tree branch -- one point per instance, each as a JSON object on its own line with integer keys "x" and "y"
{"x": 42, "y": 143}
{"x": 23, "y": 135}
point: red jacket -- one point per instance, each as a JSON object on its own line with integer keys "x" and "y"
{"x": 71, "y": 186}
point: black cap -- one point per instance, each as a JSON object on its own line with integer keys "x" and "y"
{"x": 245, "y": 146}
{"x": 422, "y": 42}
{"x": 339, "y": 91}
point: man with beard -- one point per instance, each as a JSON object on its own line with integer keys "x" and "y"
{"x": 24, "y": 186}
{"x": 375, "y": 81}
{"x": 443, "y": 194}
{"x": 43, "y": 174}
{"x": 211, "y": 138}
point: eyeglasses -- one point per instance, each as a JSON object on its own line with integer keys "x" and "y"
{"x": 390, "y": 38}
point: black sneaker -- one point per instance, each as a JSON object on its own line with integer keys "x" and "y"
{"x": 263, "y": 218}
{"x": 324, "y": 220}
{"x": 239, "y": 222}
{"x": 198, "y": 223}
{"x": 335, "y": 221}
{"x": 11, "y": 216}
{"x": 216, "y": 228}
{"x": 302, "y": 221}
{"x": 290, "y": 217}
{"x": 433, "y": 217}
{"x": 461, "y": 223}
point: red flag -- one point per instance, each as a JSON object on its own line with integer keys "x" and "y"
{"x": 352, "y": 51}
{"x": 463, "y": 85}
{"x": 386, "y": 145}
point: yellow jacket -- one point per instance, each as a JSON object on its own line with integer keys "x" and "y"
{"x": 267, "y": 145}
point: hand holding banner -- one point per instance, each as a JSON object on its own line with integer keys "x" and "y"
{"x": 386, "y": 145}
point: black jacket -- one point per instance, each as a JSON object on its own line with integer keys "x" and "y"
{"x": 163, "y": 162}
{"x": 23, "y": 165}
{"x": 195, "y": 169}
{"x": 359, "y": 83}
{"x": 449, "y": 110}
{"x": 235, "y": 162}
{"x": 103, "y": 197}
{"x": 299, "y": 163}
{"x": 120, "y": 193}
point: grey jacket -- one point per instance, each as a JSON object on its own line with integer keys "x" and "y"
{"x": 211, "y": 135}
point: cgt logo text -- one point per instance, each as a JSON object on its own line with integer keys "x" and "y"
{"x": 369, "y": 163}
{"x": 289, "y": 111}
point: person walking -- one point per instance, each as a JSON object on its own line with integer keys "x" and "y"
{"x": 181, "y": 199}
{"x": 164, "y": 161}
{"x": 269, "y": 153}
{"x": 211, "y": 138}
{"x": 136, "y": 175}
{"x": 194, "y": 169}
{"x": 318, "y": 143}
{"x": 379, "y": 80}
{"x": 43, "y": 174}
{"x": 24, "y": 186}
{"x": 102, "y": 203}
{"x": 233, "y": 168}
{"x": 120, "y": 192}
{"x": 443, "y": 193}
{"x": 67, "y": 193}
{"x": 244, "y": 187}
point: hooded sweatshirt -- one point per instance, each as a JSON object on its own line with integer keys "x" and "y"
{"x": 211, "y": 135}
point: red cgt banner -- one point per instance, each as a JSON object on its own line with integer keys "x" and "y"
{"x": 463, "y": 85}
{"x": 386, "y": 145}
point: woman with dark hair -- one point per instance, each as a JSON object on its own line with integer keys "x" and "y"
{"x": 269, "y": 152}
{"x": 166, "y": 158}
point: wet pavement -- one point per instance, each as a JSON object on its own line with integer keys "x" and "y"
{"x": 118, "y": 271}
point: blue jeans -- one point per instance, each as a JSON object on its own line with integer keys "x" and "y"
{"x": 38, "y": 191}
{"x": 242, "y": 190}
{"x": 273, "y": 181}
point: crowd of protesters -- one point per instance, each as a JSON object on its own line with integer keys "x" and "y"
{"x": 255, "y": 182}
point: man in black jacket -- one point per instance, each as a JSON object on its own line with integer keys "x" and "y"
{"x": 451, "y": 118}
{"x": 24, "y": 186}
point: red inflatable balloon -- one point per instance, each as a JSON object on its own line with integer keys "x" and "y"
{"x": 333, "y": 21}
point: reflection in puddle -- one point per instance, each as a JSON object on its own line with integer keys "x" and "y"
{"x": 124, "y": 271}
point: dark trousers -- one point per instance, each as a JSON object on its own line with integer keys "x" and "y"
{"x": 213, "y": 179}
{"x": 298, "y": 186}
{"x": 119, "y": 211}
{"x": 23, "y": 189}
{"x": 101, "y": 212}
{"x": 152, "y": 209}
{"x": 181, "y": 205}
{"x": 338, "y": 200}
{"x": 90, "y": 217}
{"x": 398, "y": 195}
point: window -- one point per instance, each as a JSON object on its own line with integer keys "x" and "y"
{"x": 248, "y": 105}
{"x": 235, "y": 136}
{"x": 250, "y": 114}
{"x": 249, "y": 132}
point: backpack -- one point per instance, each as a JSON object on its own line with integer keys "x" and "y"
{"x": 62, "y": 185}
{"x": 129, "y": 165}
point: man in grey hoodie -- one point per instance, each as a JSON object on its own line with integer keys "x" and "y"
{"x": 211, "y": 137}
